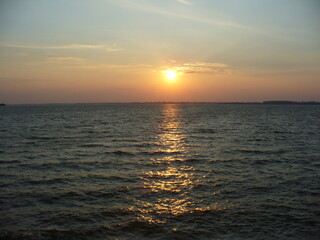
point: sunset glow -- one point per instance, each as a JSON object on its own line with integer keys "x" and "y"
{"x": 125, "y": 50}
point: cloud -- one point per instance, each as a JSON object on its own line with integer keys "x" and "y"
{"x": 183, "y": 2}
{"x": 184, "y": 68}
{"x": 65, "y": 60}
{"x": 105, "y": 47}
{"x": 205, "y": 64}
{"x": 195, "y": 67}
{"x": 82, "y": 64}
{"x": 198, "y": 68}
{"x": 197, "y": 18}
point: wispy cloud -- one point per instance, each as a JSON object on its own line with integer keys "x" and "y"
{"x": 112, "y": 66}
{"x": 65, "y": 60}
{"x": 183, "y": 2}
{"x": 184, "y": 68}
{"x": 81, "y": 63}
{"x": 197, "y": 18}
{"x": 105, "y": 47}
{"x": 197, "y": 68}
{"x": 201, "y": 18}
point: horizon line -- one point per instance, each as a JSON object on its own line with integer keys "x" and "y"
{"x": 173, "y": 102}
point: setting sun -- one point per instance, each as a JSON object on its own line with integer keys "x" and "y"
{"x": 171, "y": 75}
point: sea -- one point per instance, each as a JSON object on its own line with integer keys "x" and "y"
{"x": 159, "y": 171}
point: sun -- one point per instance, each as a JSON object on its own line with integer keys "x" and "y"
{"x": 171, "y": 75}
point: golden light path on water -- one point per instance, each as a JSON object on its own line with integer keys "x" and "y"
{"x": 170, "y": 184}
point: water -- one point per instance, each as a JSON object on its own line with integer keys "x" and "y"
{"x": 159, "y": 171}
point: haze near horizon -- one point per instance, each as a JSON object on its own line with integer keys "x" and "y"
{"x": 170, "y": 50}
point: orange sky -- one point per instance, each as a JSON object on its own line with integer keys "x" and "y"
{"x": 119, "y": 51}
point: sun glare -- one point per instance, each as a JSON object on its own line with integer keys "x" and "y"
{"x": 171, "y": 75}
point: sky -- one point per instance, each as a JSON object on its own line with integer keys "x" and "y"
{"x": 149, "y": 50}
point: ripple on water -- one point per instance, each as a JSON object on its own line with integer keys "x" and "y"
{"x": 159, "y": 171}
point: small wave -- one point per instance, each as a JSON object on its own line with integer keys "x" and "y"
{"x": 203, "y": 137}
{"x": 9, "y": 162}
{"x": 55, "y": 233}
{"x": 124, "y": 140}
{"x": 259, "y": 140}
{"x": 261, "y": 151}
{"x": 92, "y": 145}
{"x": 121, "y": 153}
{"x": 140, "y": 225}
{"x": 250, "y": 151}
{"x": 103, "y": 193}
{"x": 41, "y": 137}
{"x": 191, "y": 160}
{"x": 47, "y": 181}
{"x": 177, "y": 160}
{"x": 262, "y": 162}
{"x": 51, "y": 165}
{"x": 205, "y": 130}
{"x": 280, "y": 132}
{"x": 84, "y": 154}
{"x": 161, "y": 153}
{"x": 144, "y": 145}
{"x": 71, "y": 194}
{"x": 258, "y": 188}
{"x": 107, "y": 177}
{"x": 28, "y": 142}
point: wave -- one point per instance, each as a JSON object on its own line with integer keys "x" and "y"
{"x": 54, "y": 165}
{"x": 124, "y": 140}
{"x": 205, "y": 130}
{"x": 146, "y": 145}
{"x": 9, "y": 161}
{"x": 252, "y": 151}
{"x": 153, "y": 153}
{"x": 42, "y": 137}
{"x": 93, "y": 145}
{"x": 47, "y": 181}
{"x": 121, "y": 153}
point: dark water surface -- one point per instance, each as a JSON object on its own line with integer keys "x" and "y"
{"x": 167, "y": 171}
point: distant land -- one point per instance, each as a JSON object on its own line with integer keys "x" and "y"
{"x": 172, "y": 102}
{"x": 262, "y": 103}
{"x": 291, "y": 102}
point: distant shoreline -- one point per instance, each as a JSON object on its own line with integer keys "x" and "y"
{"x": 171, "y": 102}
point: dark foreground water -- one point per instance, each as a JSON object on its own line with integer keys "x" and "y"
{"x": 147, "y": 171}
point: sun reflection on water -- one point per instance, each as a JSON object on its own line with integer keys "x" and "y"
{"x": 171, "y": 179}
{"x": 169, "y": 185}
{"x": 171, "y": 137}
